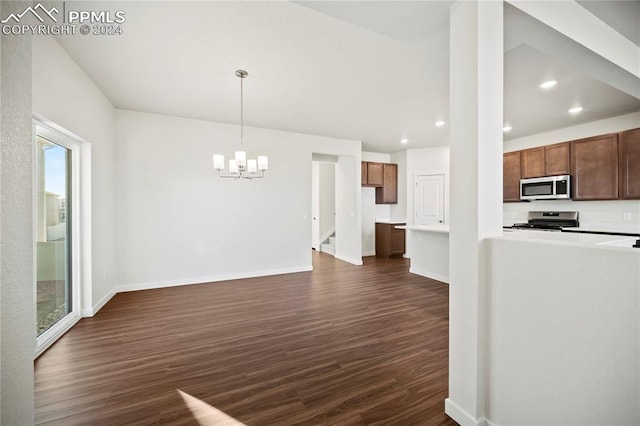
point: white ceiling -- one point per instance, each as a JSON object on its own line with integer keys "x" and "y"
{"x": 370, "y": 71}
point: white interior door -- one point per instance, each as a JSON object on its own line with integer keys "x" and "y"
{"x": 429, "y": 199}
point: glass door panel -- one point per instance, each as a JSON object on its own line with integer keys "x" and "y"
{"x": 53, "y": 234}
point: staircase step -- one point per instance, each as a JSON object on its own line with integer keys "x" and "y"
{"x": 328, "y": 248}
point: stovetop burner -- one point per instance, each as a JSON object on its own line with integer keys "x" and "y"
{"x": 549, "y": 221}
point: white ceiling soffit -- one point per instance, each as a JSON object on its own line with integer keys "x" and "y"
{"x": 522, "y": 28}
{"x": 621, "y": 15}
{"x": 530, "y": 110}
{"x": 587, "y": 29}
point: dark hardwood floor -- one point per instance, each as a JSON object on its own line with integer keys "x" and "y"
{"x": 342, "y": 345}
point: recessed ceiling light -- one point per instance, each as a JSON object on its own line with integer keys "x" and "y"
{"x": 548, "y": 84}
{"x": 575, "y": 110}
{"x": 404, "y": 140}
{"x": 506, "y": 128}
{"x": 439, "y": 123}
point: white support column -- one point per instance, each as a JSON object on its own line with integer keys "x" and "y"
{"x": 475, "y": 115}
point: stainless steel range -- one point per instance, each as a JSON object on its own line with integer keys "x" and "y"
{"x": 549, "y": 221}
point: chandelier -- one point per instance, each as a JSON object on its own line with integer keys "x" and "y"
{"x": 239, "y": 166}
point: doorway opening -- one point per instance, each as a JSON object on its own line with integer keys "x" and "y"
{"x": 323, "y": 204}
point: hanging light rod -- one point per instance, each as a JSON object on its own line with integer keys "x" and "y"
{"x": 239, "y": 166}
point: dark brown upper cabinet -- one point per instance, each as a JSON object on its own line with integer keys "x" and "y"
{"x": 549, "y": 160}
{"x": 384, "y": 177}
{"x": 629, "y": 164}
{"x": 594, "y": 162}
{"x": 372, "y": 174}
{"x": 532, "y": 162}
{"x": 388, "y": 193}
{"x": 511, "y": 176}
{"x": 557, "y": 159}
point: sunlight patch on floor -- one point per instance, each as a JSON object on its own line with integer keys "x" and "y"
{"x": 205, "y": 414}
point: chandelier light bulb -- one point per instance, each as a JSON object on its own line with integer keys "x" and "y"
{"x": 252, "y": 166}
{"x": 241, "y": 159}
{"x": 218, "y": 162}
{"x": 263, "y": 163}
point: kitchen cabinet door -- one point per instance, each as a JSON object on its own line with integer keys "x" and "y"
{"x": 388, "y": 193}
{"x": 389, "y": 240}
{"x": 630, "y": 164}
{"x": 363, "y": 181}
{"x": 375, "y": 174}
{"x": 533, "y": 162}
{"x": 511, "y": 176}
{"x": 557, "y": 159}
{"x": 594, "y": 162}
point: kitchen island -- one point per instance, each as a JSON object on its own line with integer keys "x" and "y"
{"x": 429, "y": 250}
{"x": 429, "y": 245}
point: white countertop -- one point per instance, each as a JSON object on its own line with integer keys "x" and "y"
{"x": 391, "y": 221}
{"x": 569, "y": 238}
{"x": 596, "y": 227}
{"x": 542, "y": 236}
{"x": 436, "y": 227}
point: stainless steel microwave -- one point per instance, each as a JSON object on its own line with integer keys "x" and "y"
{"x": 546, "y": 188}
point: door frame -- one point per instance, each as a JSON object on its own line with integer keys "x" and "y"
{"x": 80, "y": 188}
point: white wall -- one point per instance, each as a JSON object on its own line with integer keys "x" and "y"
{"x": 564, "y": 340}
{"x": 425, "y": 161}
{"x": 63, "y": 94}
{"x": 379, "y": 211}
{"x": 595, "y": 214}
{"x": 179, "y": 223}
{"x": 399, "y": 210}
{"x": 17, "y": 316}
{"x": 593, "y": 128}
{"x": 370, "y": 210}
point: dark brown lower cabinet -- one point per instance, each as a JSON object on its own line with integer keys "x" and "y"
{"x": 389, "y": 240}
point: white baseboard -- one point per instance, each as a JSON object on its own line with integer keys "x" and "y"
{"x": 369, "y": 253}
{"x": 429, "y": 274}
{"x": 215, "y": 278}
{"x": 94, "y": 310}
{"x": 463, "y": 418}
{"x": 349, "y": 260}
{"x": 325, "y": 248}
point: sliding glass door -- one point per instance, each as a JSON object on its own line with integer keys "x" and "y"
{"x": 56, "y": 234}
{"x": 53, "y": 246}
